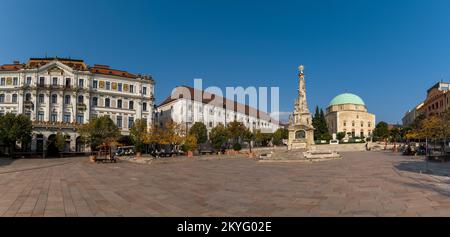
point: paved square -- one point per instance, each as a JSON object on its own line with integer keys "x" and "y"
{"x": 362, "y": 184}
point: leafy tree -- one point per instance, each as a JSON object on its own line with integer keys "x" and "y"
{"x": 262, "y": 139}
{"x": 98, "y": 131}
{"x": 169, "y": 133}
{"x": 190, "y": 143}
{"x": 14, "y": 128}
{"x": 248, "y": 136}
{"x": 199, "y": 131}
{"x": 138, "y": 134}
{"x": 219, "y": 136}
{"x": 236, "y": 130}
{"x": 279, "y": 135}
{"x": 381, "y": 131}
{"x": 340, "y": 135}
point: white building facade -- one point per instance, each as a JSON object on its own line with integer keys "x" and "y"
{"x": 59, "y": 94}
{"x": 186, "y": 111}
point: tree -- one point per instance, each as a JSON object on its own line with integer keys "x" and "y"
{"x": 340, "y": 135}
{"x": 320, "y": 124}
{"x": 199, "y": 131}
{"x": 236, "y": 130}
{"x": 190, "y": 143}
{"x": 219, "y": 136}
{"x": 14, "y": 128}
{"x": 381, "y": 131}
{"x": 169, "y": 133}
{"x": 263, "y": 139}
{"x": 98, "y": 131}
{"x": 280, "y": 135}
{"x": 248, "y": 137}
{"x": 138, "y": 134}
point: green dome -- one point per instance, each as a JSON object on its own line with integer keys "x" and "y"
{"x": 347, "y": 98}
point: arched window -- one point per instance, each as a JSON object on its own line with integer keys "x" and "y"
{"x": 28, "y": 97}
{"x": 107, "y": 102}
{"x": 41, "y": 98}
{"x": 54, "y": 99}
{"x": 67, "y": 99}
{"x": 80, "y": 99}
{"x": 301, "y": 134}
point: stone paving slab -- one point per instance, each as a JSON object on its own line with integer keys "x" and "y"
{"x": 361, "y": 184}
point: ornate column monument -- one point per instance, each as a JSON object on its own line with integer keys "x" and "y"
{"x": 301, "y": 131}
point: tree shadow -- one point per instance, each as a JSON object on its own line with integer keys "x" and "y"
{"x": 5, "y": 161}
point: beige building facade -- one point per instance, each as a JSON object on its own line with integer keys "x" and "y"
{"x": 348, "y": 113}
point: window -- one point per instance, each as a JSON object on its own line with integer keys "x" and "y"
{"x": 108, "y": 85}
{"x": 28, "y": 97}
{"x": 55, "y": 81}
{"x": 80, "y": 82}
{"x": 95, "y": 84}
{"x": 15, "y": 81}
{"x": 95, "y": 101}
{"x": 144, "y": 107}
{"x": 107, "y": 102}
{"x": 80, "y": 99}
{"x": 54, "y": 99}
{"x": 345, "y": 123}
{"x": 353, "y": 123}
{"x": 2, "y": 98}
{"x": 54, "y": 117}
{"x": 40, "y": 117}
{"x": 67, "y": 82}
{"x": 67, "y": 99}
{"x": 119, "y": 88}
{"x": 80, "y": 118}
{"x": 41, "y": 98}
{"x": 210, "y": 124}
{"x": 362, "y": 124}
{"x": 144, "y": 90}
{"x": 131, "y": 88}
{"x": 28, "y": 81}
{"x": 130, "y": 122}
{"x": 119, "y": 104}
{"x": 14, "y": 98}
{"x": 2, "y": 82}
{"x": 369, "y": 124}
{"x": 131, "y": 105}
{"x": 66, "y": 118}
{"x": 42, "y": 81}
{"x": 119, "y": 121}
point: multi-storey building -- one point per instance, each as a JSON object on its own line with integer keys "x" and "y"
{"x": 186, "y": 109}
{"x": 59, "y": 94}
{"x": 436, "y": 102}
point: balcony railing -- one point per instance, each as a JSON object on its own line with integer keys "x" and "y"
{"x": 81, "y": 106}
{"x": 50, "y": 124}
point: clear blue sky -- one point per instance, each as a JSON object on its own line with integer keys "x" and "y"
{"x": 388, "y": 52}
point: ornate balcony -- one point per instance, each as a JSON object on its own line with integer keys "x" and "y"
{"x": 55, "y": 125}
{"x": 81, "y": 107}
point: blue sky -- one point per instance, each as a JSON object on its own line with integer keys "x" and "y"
{"x": 387, "y": 52}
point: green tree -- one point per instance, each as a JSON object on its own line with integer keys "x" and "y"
{"x": 219, "y": 136}
{"x": 199, "y": 131}
{"x": 320, "y": 125}
{"x": 138, "y": 134}
{"x": 248, "y": 137}
{"x": 98, "y": 131}
{"x": 279, "y": 135}
{"x": 190, "y": 143}
{"x": 262, "y": 139}
{"x": 236, "y": 130}
{"x": 340, "y": 135}
{"x": 14, "y": 128}
{"x": 381, "y": 131}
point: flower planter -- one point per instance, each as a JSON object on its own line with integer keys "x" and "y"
{"x": 190, "y": 154}
{"x": 92, "y": 158}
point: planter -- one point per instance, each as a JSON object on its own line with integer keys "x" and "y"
{"x": 138, "y": 155}
{"x": 190, "y": 154}
{"x": 92, "y": 158}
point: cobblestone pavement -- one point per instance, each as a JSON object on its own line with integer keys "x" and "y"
{"x": 362, "y": 184}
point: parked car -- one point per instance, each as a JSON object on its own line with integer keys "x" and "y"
{"x": 206, "y": 148}
{"x": 164, "y": 150}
